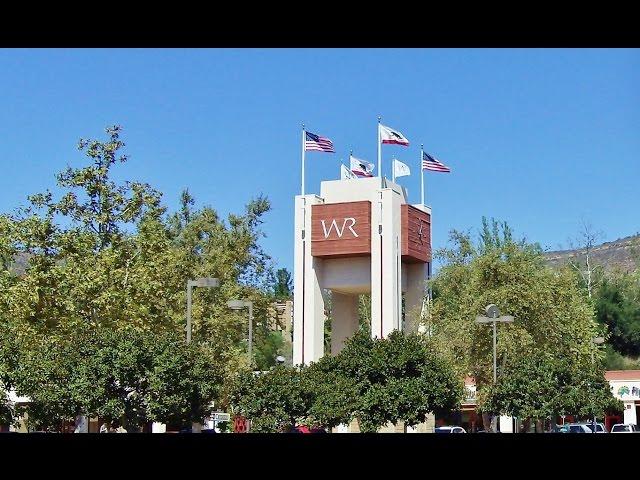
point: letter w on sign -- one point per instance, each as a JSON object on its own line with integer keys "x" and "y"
{"x": 339, "y": 231}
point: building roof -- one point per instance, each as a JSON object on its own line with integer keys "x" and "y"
{"x": 622, "y": 375}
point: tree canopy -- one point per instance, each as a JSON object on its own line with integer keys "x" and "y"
{"x": 552, "y": 314}
{"x": 93, "y": 280}
{"x": 376, "y": 381}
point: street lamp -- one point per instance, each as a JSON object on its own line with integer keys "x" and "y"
{"x": 239, "y": 305}
{"x": 595, "y": 341}
{"x": 199, "y": 282}
{"x": 493, "y": 316}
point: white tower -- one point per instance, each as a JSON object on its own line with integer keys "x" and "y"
{"x": 357, "y": 238}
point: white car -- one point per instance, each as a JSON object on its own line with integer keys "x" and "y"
{"x": 599, "y": 428}
{"x": 449, "y": 430}
{"x": 624, "y": 428}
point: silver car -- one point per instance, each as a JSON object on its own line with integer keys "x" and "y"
{"x": 599, "y": 427}
{"x": 449, "y": 430}
{"x": 624, "y": 428}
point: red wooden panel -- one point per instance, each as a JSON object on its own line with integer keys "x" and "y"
{"x": 341, "y": 229}
{"x": 416, "y": 235}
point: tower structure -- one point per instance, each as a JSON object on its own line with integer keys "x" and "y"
{"x": 358, "y": 236}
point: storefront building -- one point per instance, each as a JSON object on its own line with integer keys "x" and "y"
{"x": 625, "y": 386}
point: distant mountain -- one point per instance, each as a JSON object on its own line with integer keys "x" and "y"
{"x": 623, "y": 253}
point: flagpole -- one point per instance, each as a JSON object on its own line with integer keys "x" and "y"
{"x": 303, "y": 149}
{"x": 393, "y": 170}
{"x": 422, "y": 174}
{"x": 379, "y": 153}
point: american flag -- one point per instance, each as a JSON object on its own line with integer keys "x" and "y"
{"x": 316, "y": 142}
{"x": 432, "y": 163}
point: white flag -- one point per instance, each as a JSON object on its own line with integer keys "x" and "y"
{"x": 361, "y": 168}
{"x": 389, "y": 135}
{"x": 400, "y": 169}
{"x": 345, "y": 173}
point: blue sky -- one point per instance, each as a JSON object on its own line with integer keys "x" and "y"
{"x": 541, "y": 138}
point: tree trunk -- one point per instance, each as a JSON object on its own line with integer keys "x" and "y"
{"x": 486, "y": 421}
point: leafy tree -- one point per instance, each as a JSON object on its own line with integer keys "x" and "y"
{"x": 618, "y": 307}
{"x": 274, "y": 401}
{"x": 400, "y": 378}
{"x": 104, "y": 259}
{"x": 45, "y": 374}
{"x": 332, "y": 394}
{"x": 376, "y": 381}
{"x": 283, "y": 289}
{"x": 7, "y": 411}
{"x": 126, "y": 377}
{"x": 183, "y": 381}
{"x": 113, "y": 382}
{"x": 551, "y": 313}
{"x": 543, "y": 385}
{"x": 268, "y": 347}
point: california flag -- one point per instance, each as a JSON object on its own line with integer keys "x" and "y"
{"x": 361, "y": 168}
{"x": 389, "y": 135}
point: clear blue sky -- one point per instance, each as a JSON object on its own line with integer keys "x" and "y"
{"x": 540, "y": 138}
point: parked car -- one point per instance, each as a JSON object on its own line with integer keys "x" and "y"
{"x": 448, "y": 429}
{"x": 624, "y": 428}
{"x": 575, "y": 428}
{"x": 599, "y": 427}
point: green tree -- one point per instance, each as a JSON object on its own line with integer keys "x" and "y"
{"x": 283, "y": 288}
{"x": 552, "y": 314}
{"x": 183, "y": 381}
{"x": 268, "y": 347}
{"x": 542, "y": 385}
{"x": 274, "y": 401}
{"x": 618, "y": 307}
{"x": 105, "y": 259}
{"x": 400, "y": 378}
{"x": 332, "y": 394}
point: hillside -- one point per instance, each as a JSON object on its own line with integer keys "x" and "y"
{"x": 623, "y": 253}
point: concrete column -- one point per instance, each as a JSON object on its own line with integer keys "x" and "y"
{"x": 386, "y": 269}
{"x": 630, "y": 413}
{"x": 344, "y": 319}
{"x": 308, "y": 304}
{"x": 416, "y": 275}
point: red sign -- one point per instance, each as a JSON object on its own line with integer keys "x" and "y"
{"x": 240, "y": 424}
{"x": 341, "y": 229}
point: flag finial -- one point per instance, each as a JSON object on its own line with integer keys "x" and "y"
{"x": 303, "y": 125}
{"x": 421, "y": 146}
{"x": 379, "y": 118}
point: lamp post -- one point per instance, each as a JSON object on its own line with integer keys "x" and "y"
{"x": 238, "y": 305}
{"x": 595, "y": 341}
{"x": 199, "y": 282}
{"x": 493, "y": 316}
